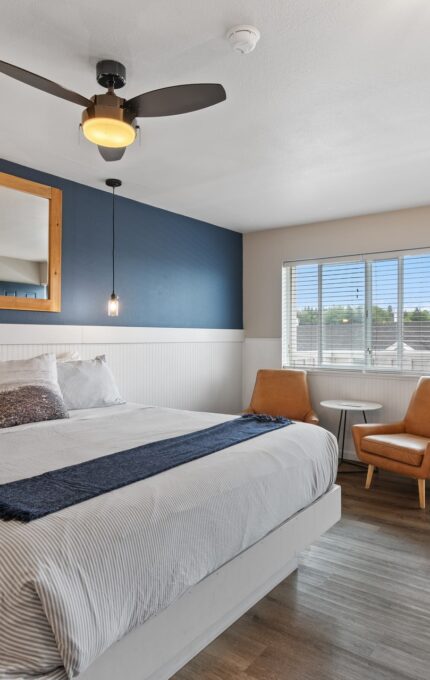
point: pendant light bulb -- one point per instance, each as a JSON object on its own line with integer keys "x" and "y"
{"x": 113, "y": 305}
{"x": 113, "y": 302}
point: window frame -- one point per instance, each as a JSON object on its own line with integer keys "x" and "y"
{"x": 369, "y": 259}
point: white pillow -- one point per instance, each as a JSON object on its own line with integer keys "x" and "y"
{"x": 29, "y": 391}
{"x": 68, "y": 356}
{"x": 88, "y": 384}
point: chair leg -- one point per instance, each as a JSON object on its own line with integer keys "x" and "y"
{"x": 370, "y": 471}
{"x": 422, "y": 493}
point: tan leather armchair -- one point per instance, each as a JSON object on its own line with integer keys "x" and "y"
{"x": 402, "y": 447}
{"x": 282, "y": 393}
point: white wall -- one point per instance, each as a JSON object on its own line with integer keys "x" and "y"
{"x": 392, "y": 392}
{"x": 214, "y": 370}
{"x": 264, "y": 253}
{"x": 197, "y": 369}
{"x": 22, "y": 271}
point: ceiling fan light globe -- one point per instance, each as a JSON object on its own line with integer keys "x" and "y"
{"x": 109, "y": 132}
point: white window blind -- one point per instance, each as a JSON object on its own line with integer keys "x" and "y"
{"x": 371, "y": 312}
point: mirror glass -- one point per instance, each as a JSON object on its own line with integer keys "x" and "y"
{"x": 24, "y": 244}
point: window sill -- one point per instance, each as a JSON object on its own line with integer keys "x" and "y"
{"x": 360, "y": 373}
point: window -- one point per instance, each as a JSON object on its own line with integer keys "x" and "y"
{"x": 369, "y": 312}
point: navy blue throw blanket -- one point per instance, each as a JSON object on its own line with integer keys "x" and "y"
{"x": 35, "y": 497}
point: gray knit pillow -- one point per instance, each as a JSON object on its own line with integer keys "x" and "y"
{"x": 29, "y": 391}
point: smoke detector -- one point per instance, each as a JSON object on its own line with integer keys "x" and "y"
{"x": 244, "y": 38}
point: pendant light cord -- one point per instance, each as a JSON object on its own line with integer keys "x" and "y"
{"x": 113, "y": 240}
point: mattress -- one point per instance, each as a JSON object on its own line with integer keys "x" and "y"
{"x": 74, "y": 582}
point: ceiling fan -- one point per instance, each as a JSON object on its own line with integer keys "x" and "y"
{"x": 109, "y": 120}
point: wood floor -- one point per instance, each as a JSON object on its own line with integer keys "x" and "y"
{"x": 358, "y": 608}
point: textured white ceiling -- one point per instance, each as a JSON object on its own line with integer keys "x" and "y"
{"x": 329, "y": 117}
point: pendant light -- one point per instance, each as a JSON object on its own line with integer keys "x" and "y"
{"x": 113, "y": 304}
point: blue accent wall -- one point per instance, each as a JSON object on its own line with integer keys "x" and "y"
{"x": 171, "y": 270}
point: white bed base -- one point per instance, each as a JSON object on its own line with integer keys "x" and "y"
{"x": 165, "y": 643}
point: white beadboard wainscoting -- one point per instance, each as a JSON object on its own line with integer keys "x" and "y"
{"x": 202, "y": 369}
{"x": 187, "y": 368}
{"x": 392, "y": 391}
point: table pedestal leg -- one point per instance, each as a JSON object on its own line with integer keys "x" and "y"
{"x": 355, "y": 463}
{"x": 339, "y": 430}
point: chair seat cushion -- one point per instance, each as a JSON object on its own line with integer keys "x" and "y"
{"x": 403, "y": 448}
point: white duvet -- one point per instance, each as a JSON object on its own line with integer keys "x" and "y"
{"x": 74, "y": 582}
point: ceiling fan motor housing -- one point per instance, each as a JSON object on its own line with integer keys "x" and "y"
{"x": 107, "y": 122}
{"x": 108, "y": 106}
{"x": 111, "y": 74}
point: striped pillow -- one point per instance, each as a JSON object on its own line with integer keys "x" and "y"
{"x": 29, "y": 391}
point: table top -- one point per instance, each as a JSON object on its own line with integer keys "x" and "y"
{"x": 347, "y": 405}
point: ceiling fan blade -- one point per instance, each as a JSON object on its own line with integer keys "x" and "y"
{"x": 169, "y": 101}
{"x": 43, "y": 84}
{"x": 110, "y": 154}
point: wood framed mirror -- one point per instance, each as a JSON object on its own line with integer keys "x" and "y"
{"x": 30, "y": 245}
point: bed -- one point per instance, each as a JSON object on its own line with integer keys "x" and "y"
{"x": 136, "y": 581}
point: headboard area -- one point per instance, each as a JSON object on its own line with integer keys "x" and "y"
{"x": 190, "y": 368}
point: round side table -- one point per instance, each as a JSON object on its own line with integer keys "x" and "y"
{"x": 344, "y": 406}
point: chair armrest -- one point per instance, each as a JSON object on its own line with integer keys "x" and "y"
{"x": 312, "y": 418}
{"x": 364, "y": 430}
